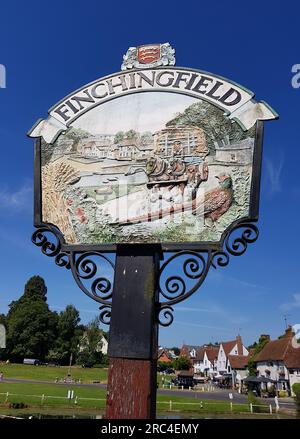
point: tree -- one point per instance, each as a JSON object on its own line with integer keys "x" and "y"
{"x": 68, "y": 335}
{"x": 76, "y": 134}
{"x": 211, "y": 119}
{"x": 296, "y": 390}
{"x": 176, "y": 350}
{"x": 262, "y": 341}
{"x": 3, "y": 319}
{"x": 146, "y": 137}
{"x": 131, "y": 134}
{"x": 119, "y": 137}
{"x": 31, "y": 326}
{"x": 182, "y": 363}
{"x": 90, "y": 344}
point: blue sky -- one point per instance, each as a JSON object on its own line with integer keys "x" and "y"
{"x": 51, "y": 50}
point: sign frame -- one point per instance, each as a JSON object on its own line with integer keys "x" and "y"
{"x": 166, "y": 246}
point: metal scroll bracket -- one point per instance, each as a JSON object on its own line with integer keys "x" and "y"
{"x": 179, "y": 276}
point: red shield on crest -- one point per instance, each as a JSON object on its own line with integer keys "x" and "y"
{"x": 148, "y": 54}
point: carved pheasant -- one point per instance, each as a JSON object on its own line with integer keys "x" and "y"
{"x": 217, "y": 201}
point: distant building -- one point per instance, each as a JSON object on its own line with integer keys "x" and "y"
{"x": 237, "y": 365}
{"x": 126, "y": 149}
{"x": 206, "y": 360}
{"x": 96, "y": 146}
{"x": 180, "y": 140}
{"x": 210, "y": 360}
{"x": 189, "y": 351}
{"x": 280, "y": 361}
{"x": 62, "y": 146}
{"x": 101, "y": 347}
{"x": 145, "y": 150}
{"x": 164, "y": 355}
{"x": 226, "y": 351}
{"x": 239, "y": 153}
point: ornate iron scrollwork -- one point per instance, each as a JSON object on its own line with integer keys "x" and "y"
{"x": 85, "y": 266}
{"x": 191, "y": 268}
{"x": 195, "y": 267}
{"x": 49, "y": 240}
{"x": 86, "y": 269}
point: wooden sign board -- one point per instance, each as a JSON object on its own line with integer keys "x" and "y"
{"x": 152, "y": 154}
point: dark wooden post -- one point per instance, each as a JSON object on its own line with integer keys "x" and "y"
{"x": 131, "y": 391}
{"x": 133, "y": 336}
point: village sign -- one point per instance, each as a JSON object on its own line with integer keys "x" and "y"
{"x": 153, "y": 159}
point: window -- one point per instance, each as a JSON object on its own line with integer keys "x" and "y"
{"x": 233, "y": 157}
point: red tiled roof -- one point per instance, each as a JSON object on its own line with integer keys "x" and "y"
{"x": 292, "y": 358}
{"x": 185, "y": 351}
{"x": 274, "y": 350}
{"x": 199, "y": 354}
{"x": 228, "y": 346}
{"x": 212, "y": 353}
{"x": 281, "y": 350}
{"x": 164, "y": 353}
{"x": 238, "y": 361}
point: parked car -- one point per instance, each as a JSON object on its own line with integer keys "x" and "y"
{"x": 87, "y": 365}
{"x": 169, "y": 371}
{"x": 32, "y": 361}
{"x": 53, "y": 364}
{"x": 185, "y": 379}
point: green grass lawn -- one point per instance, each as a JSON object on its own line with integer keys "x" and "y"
{"x": 90, "y": 398}
{"x": 56, "y": 396}
{"x": 91, "y": 402}
{"x": 48, "y": 373}
{"x": 196, "y": 405}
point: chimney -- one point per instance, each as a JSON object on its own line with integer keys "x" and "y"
{"x": 239, "y": 345}
{"x": 265, "y": 337}
{"x": 289, "y": 333}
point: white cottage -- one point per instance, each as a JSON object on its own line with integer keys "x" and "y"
{"x": 227, "y": 349}
{"x": 279, "y": 360}
{"x": 210, "y": 360}
{"x": 235, "y": 153}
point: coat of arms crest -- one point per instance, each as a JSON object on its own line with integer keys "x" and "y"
{"x": 148, "y": 56}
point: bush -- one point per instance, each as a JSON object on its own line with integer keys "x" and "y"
{"x": 105, "y": 361}
{"x": 255, "y": 402}
{"x": 162, "y": 366}
{"x": 283, "y": 393}
{"x": 296, "y": 390}
{"x": 17, "y": 405}
{"x": 182, "y": 363}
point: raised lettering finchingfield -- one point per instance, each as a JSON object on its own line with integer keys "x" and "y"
{"x": 224, "y": 94}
